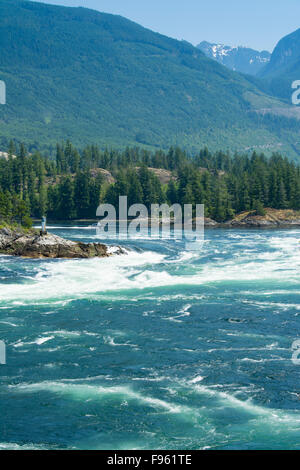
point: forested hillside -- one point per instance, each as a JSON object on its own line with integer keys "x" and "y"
{"x": 98, "y": 78}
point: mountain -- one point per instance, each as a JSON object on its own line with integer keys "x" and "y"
{"x": 284, "y": 66}
{"x": 74, "y": 73}
{"x": 241, "y": 59}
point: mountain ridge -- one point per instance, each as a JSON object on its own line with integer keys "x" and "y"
{"x": 285, "y": 55}
{"x": 284, "y": 66}
{"x": 238, "y": 58}
{"x": 91, "y": 77}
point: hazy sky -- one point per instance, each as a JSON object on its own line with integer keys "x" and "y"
{"x": 255, "y": 23}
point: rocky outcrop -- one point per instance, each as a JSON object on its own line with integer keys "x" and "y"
{"x": 33, "y": 245}
{"x": 210, "y": 222}
{"x": 273, "y": 218}
{"x": 164, "y": 176}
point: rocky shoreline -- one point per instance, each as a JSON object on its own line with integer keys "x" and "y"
{"x": 31, "y": 244}
{"x": 273, "y": 218}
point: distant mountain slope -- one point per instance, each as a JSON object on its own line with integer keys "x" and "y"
{"x": 97, "y": 78}
{"x": 285, "y": 57}
{"x": 240, "y": 59}
{"x": 284, "y": 66}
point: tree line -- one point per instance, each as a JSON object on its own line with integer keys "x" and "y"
{"x": 72, "y": 186}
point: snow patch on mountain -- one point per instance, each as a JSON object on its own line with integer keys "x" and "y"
{"x": 239, "y": 58}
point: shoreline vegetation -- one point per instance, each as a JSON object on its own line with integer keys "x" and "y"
{"x": 249, "y": 219}
{"x": 236, "y": 190}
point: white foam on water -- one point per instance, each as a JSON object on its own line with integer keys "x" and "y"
{"x": 87, "y": 392}
{"x": 8, "y": 323}
{"x": 112, "y": 249}
{"x": 38, "y": 341}
{"x": 172, "y": 297}
{"x": 274, "y": 416}
{"x": 241, "y": 334}
{"x": 111, "y": 341}
{"x": 184, "y": 312}
{"x": 269, "y": 347}
{"x": 272, "y": 305}
{"x": 184, "y": 256}
{"x": 197, "y": 379}
{"x": 248, "y": 359}
{"x": 64, "y": 333}
{"x": 271, "y": 293}
{"x": 15, "y": 446}
{"x": 79, "y": 279}
{"x": 56, "y": 227}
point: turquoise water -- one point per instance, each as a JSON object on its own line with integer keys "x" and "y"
{"x": 158, "y": 349}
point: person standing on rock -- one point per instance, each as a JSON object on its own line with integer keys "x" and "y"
{"x": 44, "y": 229}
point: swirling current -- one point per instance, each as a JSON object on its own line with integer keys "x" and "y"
{"x": 162, "y": 348}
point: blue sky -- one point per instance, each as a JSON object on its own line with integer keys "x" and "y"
{"x": 255, "y": 23}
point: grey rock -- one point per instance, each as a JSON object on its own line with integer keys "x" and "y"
{"x": 34, "y": 245}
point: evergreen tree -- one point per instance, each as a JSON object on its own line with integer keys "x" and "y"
{"x": 82, "y": 194}
{"x": 172, "y": 195}
{"x": 66, "y": 205}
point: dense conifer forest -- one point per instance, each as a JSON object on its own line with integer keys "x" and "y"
{"x": 74, "y": 183}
